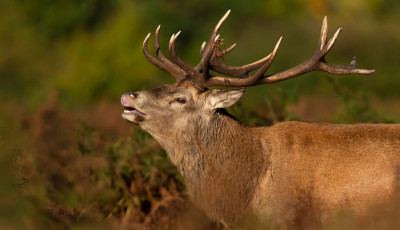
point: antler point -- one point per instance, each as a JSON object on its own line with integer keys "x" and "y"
{"x": 277, "y": 45}
{"x": 337, "y": 33}
{"x": 365, "y": 71}
{"x": 172, "y": 38}
{"x": 147, "y": 38}
{"x": 353, "y": 61}
{"x": 216, "y": 38}
{"x": 203, "y": 45}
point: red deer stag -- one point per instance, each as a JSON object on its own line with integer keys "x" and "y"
{"x": 280, "y": 175}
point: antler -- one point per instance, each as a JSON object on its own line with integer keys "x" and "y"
{"x": 162, "y": 63}
{"x": 211, "y": 53}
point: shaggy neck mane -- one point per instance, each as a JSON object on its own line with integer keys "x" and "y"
{"x": 219, "y": 157}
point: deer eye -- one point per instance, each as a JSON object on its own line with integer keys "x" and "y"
{"x": 181, "y": 100}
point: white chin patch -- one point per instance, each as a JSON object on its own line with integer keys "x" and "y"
{"x": 129, "y": 117}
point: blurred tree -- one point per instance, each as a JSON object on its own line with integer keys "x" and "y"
{"x": 55, "y": 19}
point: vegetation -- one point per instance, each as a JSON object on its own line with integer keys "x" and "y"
{"x": 67, "y": 159}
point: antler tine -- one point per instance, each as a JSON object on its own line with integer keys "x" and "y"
{"x": 264, "y": 68}
{"x": 203, "y": 46}
{"x": 202, "y": 67}
{"x": 174, "y": 56}
{"x": 149, "y": 57}
{"x": 157, "y": 45}
{"x": 227, "y": 50}
{"x": 331, "y": 42}
{"x": 179, "y": 73}
{"x": 235, "y": 71}
{"x": 234, "y": 82}
{"x": 344, "y": 69}
{"x": 324, "y": 32}
{"x": 164, "y": 63}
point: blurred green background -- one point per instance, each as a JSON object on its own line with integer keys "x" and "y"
{"x": 67, "y": 158}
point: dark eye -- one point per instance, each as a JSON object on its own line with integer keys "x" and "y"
{"x": 181, "y": 100}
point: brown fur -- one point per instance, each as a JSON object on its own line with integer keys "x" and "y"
{"x": 290, "y": 174}
{"x": 323, "y": 167}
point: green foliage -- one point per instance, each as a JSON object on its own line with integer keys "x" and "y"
{"x": 275, "y": 108}
{"x": 59, "y": 18}
{"x": 357, "y": 107}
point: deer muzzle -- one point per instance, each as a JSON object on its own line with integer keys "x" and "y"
{"x": 131, "y": 113}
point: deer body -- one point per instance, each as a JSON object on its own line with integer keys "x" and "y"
{"x": 316, "y": 168}
{"x": 289, "y": 174}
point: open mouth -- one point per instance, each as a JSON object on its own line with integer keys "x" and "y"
{"x": 133, "y": 115}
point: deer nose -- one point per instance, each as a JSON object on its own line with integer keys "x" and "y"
{"x": 132, "y": 95}
{"x": 125, "y": 96}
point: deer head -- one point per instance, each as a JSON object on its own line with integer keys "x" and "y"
{"x": 174, "y": 105}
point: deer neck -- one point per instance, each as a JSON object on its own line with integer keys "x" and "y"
{"x": 200, "y": 143}
{"x": 217, "y": 157}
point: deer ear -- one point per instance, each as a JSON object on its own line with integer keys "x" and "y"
{"x": 224, "y": 98}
